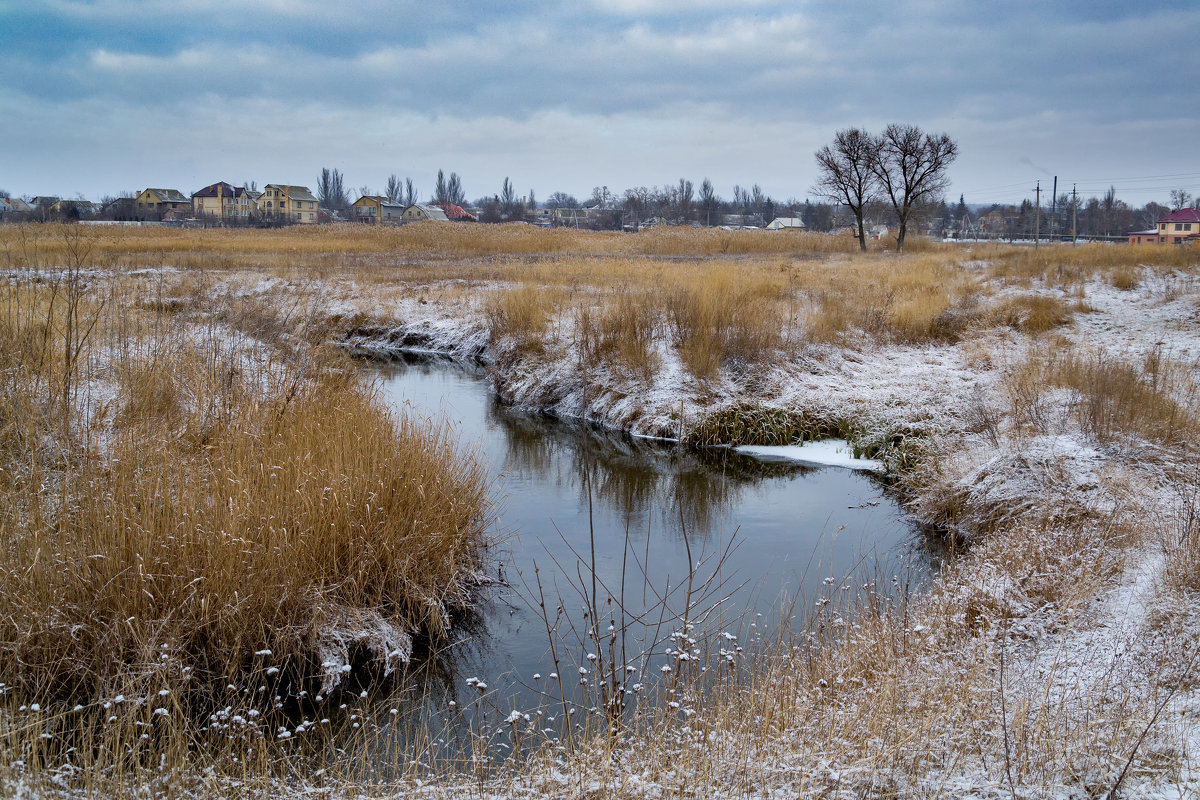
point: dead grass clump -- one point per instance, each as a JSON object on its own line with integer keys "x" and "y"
{"x": 1180, "y": 535}
{"x": 1111, "y": 398}
{"x": 1114, "y": 397}
{"x": 1124, "y": 277}
{"x": 520, "y": 316}
{"x": 1032, "y": 313}
{"x": 297, "y": 511}
{"x": 761, "y": 425}
{"x": 719, "y": 319}
{"x": 621, "y": 332}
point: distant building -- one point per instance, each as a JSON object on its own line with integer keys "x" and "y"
{"x": 14, "y": 205}
{"x": 377, "y": 208}
{"x": 1179, "y": 226}
{"x": 74, "y": 209}
{"x": 156, "y": 202}
{"x": 416, "y": 213}
{"x": 457, "y": 213}
{"x": 786, "y": 224}
{"x": 1144, "y": 237}
{"x": 223, "y": 201}
{"x": 125, "y": 208}
{"x": 293, "y": 203}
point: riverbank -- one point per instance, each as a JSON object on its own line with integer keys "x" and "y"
{"x": 1039, "y": 406}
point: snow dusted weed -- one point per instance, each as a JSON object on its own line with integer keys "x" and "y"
{"x": 202, "y": 529}
{"x": 221, "y": 534}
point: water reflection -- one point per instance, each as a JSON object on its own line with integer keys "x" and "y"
{"x": 636, "y": 515}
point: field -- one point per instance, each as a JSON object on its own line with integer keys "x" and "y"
{"x": 202, "y": 499}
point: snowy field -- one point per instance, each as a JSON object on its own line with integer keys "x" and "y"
{"x": 1055, "y": 656}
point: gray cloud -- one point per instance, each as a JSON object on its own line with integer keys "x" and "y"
{"x": 574, "y": 95}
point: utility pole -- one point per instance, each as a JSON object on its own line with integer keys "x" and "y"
{"x": 1054, "y": 210}
{"x": 1074, "y": 217}
{"x": 1037, "y": 215}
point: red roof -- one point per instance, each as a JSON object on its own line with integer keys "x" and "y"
{"x": 1183, "y": 215}
{"x": 456, "y": 212}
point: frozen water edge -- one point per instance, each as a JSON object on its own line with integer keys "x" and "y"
{"x": 824, "y": 453}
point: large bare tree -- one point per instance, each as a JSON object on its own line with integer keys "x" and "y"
{"x": 911, "y": 168}
{"x": 846, "y": 174}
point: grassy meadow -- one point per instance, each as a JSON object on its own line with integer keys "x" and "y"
{"x": 210, "y": 521}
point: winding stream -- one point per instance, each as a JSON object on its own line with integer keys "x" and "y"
{"x": 770, "y": 539}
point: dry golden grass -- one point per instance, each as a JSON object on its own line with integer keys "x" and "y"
{"x": 1064, "y": 266}
{"x": 1154, "y": 400}
{"x": 222, "y": 498}
{"x": 331, "y": 247}
{"x": 1032, "y": 313}
{"x": 619, "y": 332}
{"x": 243, "y": 495}
{"x": 1180, "y": 534}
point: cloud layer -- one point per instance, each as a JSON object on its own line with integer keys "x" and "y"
{"x": 112, "y": 95}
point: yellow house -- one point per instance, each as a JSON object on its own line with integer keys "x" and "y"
{"x": 223, "y": 201}
{"x": 377, "y": 208}
{"x": 1179, "y": 226}
{"x": 156, "y": 202}
{"x": 293, "y": 203}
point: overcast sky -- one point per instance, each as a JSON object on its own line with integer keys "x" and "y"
{"x": 115, "y": 95}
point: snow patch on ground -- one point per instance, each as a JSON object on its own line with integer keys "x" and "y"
{"x": 828, "y": 452}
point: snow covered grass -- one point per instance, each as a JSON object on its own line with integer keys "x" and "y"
{"x": 1039, "y": 406}
{"x": 195, "y": 519}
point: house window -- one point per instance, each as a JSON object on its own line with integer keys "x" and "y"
{"x": 1187, "y": 226}
{"x": 1178, "y": 226}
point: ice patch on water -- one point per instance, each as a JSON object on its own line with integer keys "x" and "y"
{"x": 826, "y": 453}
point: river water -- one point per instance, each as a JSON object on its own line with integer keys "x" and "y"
{"x": 767, "y": 542}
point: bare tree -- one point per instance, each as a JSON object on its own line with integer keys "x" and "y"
{"x": 509, "y": 202}
{"x": 457, "y": 196}
{"x": 394, "y": 188}
{"x": 448, "y": 190}
{"x": 685, "y": 195}
{"x": 410, "y": 192}
{"x": 561, "y": 200}
{"x": 709, "y": 201}
{"x": 1180, "y": 198}
{"x": 911, "y": 167}
{"x": 331, "y": 193}
{"x": 441, "y": 191}
{"x": 845, "y": 174}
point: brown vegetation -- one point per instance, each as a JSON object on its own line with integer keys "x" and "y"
{"x": 191, "y": 481}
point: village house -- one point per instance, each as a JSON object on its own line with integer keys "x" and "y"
{"x": 456, "y": 213}
{"x": 416, "y": 213}
{"x": 74, "y": 209}
{"x": 377, "y": 208}
{"x": 293, "y": 203}
{"x": 1179, "y": 226}
{"x": 14, "y": 205}
{"x": 156, "y": 202}
{"x": 1144, "y": 237}
{"x": 223, "y": 201}
{"x": 786, "y": 224}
